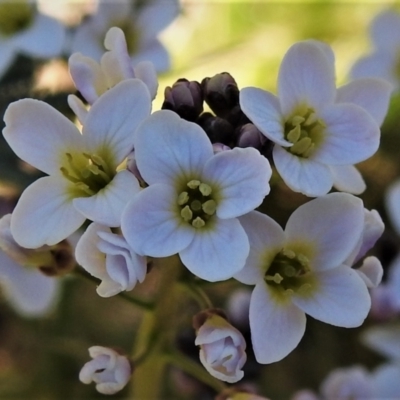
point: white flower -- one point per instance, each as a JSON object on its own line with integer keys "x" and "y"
{"x": 384, "y": 61}
{"x": 384, "y": 339}
{"x": 140, "y": 25}
{"x": 83, "y": 182}
{"x": 300, "y": 270}
{"x": 194, "y": 197}
{"x": 319, "y": 133}
{"x": 107, "y": 256}
{"x": 93, "y": 79}
{"x": 25, "y": 30}
{"x": 108, "y": 369}
{"x": 222, "y": 349}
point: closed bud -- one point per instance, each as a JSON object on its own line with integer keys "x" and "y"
{"x": 185, "y": 98}
{"x": 250, "y": 136}
{"x": 217, "y": 129}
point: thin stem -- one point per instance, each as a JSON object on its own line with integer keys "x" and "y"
{"x": 147, "y": 305}
{"x": 194, "y": 369}
{"x": 197, "y": 294}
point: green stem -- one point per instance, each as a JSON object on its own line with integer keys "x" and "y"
{"x": 197, "y": 294}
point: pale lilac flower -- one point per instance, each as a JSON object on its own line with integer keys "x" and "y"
{"x": 319, "y": 132}
{"x": 84, "y": 181}
{"x": 92, "y": 79}
{"x": 384, "y": 60}
{"x": 194, "y": 197}
{"x": 24, "y": 30}
{"x": 108, "y": 257}
{"x": 140, "y": 25}
{"x": 301, "y": 270}
{"x": 384, "y": 339}
{"x": 109, "y": 370}
{"x": 222, "y": 349}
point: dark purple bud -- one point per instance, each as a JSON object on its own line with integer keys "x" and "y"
{"x": 221, "y": 93}
{"x": 185, "y": 98}
{"x": 250, "y": 136}
{"x": 217, "y": 129}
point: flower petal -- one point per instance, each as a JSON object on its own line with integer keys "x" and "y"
{"x": 341, "y": 298}
{"x": 302, "y": 174}
{"x": 333, "y": 224}
{"x": 113, "y": 119}
{"x": 156, "y": 53}
{"x": 385, "y": 381}
{"x": 216, "y": 254}
{"x": 242, "y": 178}
{"x": 385, "y": 31}
{"x": 78, "y": 107}
{"x": 264, "y": 111}
{"x": 107, "y": 205}
{"x": 305, "y": 76}
{"x": 276, "y": 328}
{"x": 266, "y": 239}
{"x": 371, "y": 94}
{"x": 146, "y": 72}
{"x": 39, "y": 134}
{"x": 45, "y": 214}
{"x": 168, "y": 147}
{"x": 371, "y": 272}
{"x": 384, "y": 340}
{"x": 151, "y": 224}
{"x": 347, "y": 178}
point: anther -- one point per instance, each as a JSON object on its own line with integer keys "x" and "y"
{"x": 183, "y": 198}
{"x": 186, "y": 213}
{"x": 209, "y": 207}
{"x": 194, "y": 184}
{"x": 198, "y": 222}
{"x": 205, "y": 190}
{"x": 301, "y": 146}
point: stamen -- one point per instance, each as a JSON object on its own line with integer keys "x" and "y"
{"x": 85, "y": 188}
{"x": 301, "y": 146}
{"x": 198, "y": 222}
{"x": 294, "y": 135}
{"x": 276, "y": 278}
{"x": 194, "y": 184}
{"x": 209, "y": 207}
{"x": 186, "y": 213}
{"x": 183, "y": 198}
{"x": 205, "y": 190}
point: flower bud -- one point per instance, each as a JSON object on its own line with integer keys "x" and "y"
{"x": 250, "y": 136}
{"x": 219, "y": 147}
{"x": 221, "y": 93}
{"x": 185, "y": 98}
{"x": 222, "y": 347}
{"x": 217, "y": 129}
{"x": 108, "y": 369}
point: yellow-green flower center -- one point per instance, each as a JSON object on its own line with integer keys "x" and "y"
{"x": 289, "y": 272}
{"x": 305, "y": 130}
{"x": 196, "y": 203}
{"x": 89, "y": 172}
{"x": 15, "y": 16}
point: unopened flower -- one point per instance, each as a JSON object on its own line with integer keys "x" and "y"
{"x": 83, "y": 182}
{"x": 194, "y": 197}
{"x": 222, "y": 347}
{"x": 109, "y": 370}
{"x": 317, "y": 138}
{"x": 300, "y": 270}
{"x": 108, "y": 257}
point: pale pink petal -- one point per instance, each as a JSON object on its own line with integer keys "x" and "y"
{"x": 385, "y": 31}
{"x": 45, "y": 214}
{"x": 371, "y": 94}
{"x": 351, "y": 135}
{"x": 333, "y": 224}
{"x": 39, "y": 134}
{"x": 392, "y": 200}
{"x": 217, "y": 253}
{"x": 242, "y": 178}
{"x": 168, "y": 147}
{"x": 347, "y": 178}
{"x": 264, "y": 111}
{"x": 107, "y": 205}
{"x": 276, "y": 327}
{"x": 305, "y": 77}
{"x": 340, "y": 298}
{"x": 266, "y": 239}
{"x": 371, "y": 272}
{"x": 151, "y": 223}
{"x": 302, "y": 174}
{"x": 113, "y": 119}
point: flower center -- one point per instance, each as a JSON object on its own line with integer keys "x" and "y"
{"x": 196, "y": 204}
{"x": 89, "y": 172}
{"x": 289, "y": 272}
{"x": 15, "y": 16}
{"x": 305, "y": 130}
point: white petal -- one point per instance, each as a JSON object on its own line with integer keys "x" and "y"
{"x": 385, "y": 31}
{"x": 242, "y": 178}
{"x": 371, "y": 272}
{"x": 107, "y": 205}
{"x": 371, "y": 94}
{"x": 39, "y": 134}
{"x": 392, "y": 200}
{"x": 146, "y": 72}
{"x": 302, "y": 174}
{"x": 45, "y": 214}
{"x": 156, "y": 53}
{"x": 217, "y": 253}
{"x": 77, "y": 106}
{"x": 305, "y": 76}
{"x": 266, "y": 239}
{"x": 276, "y": 328}
{"x": 341, "y": 298}
{"x": 384, "y": 340}
{"x": 88, "y": 41}
{"x": 152, "y": 225}
{"x": 264, "y": 111}
{"x": 168, "y": 147}
{"x": 332, "y": 224}
{"x": 347, "y": 178}
{"x": 386, "y": 381}
{"x": 351, "y": 135}
{"x": 113, "y": 119}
